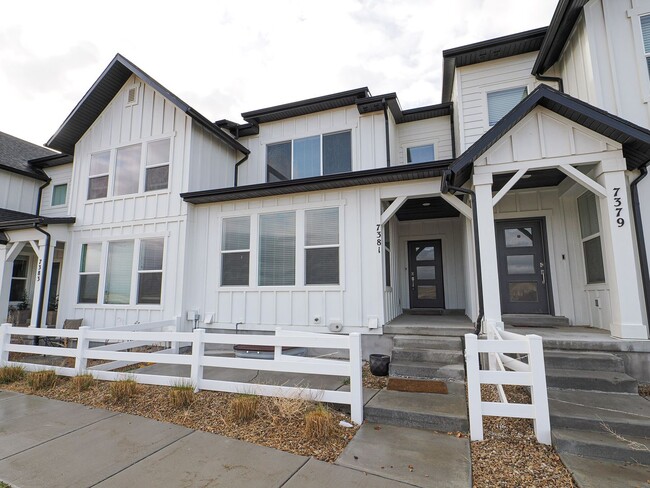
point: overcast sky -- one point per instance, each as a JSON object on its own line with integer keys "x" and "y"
{"x": 224, "y": 58}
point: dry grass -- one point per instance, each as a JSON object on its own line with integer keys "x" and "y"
{"x": 510, "y": 455}
{"x": 319, "y": 423}
{"x": 83, "y": 382}
{"x": 181, "y": 395}
{"x": 644, "y": 391}
{"x": 41, "y": 380}
{"x": 123, "y": 390}
{"x": 244, "y": 407}
{"x": 10, "y": 374}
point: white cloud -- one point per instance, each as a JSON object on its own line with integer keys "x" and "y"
{"x": 227, "y": 58}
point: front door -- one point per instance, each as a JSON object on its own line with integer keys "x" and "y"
{"x": 425, "y": 274}
{"x": 523, "y": 272}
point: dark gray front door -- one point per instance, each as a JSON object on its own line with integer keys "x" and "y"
{"x": 425, "y": 274}
{"x": 523, "y": 272}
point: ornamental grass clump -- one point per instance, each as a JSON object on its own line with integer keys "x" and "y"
{"x": 11, "y": 374}
{"x": 319, "y": 423}
{"x": 181, "y": 395}
{"x": 83, "y": 382}
{"x": 244, "y": 407}
{"x": 123, "y": 390}
{"x": 41, "y": 380}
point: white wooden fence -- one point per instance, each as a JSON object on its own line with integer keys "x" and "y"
{"x": 507, "y": 371}
{"x": 116, "y": 342}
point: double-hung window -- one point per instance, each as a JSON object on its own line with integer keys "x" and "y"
{"x": 18, "y": 288}
{"x": 322, "y": 246}
{"x": 59, "y": 194}
{"x": 89, "y": 273}
{"x": 235, "y": 251}
{"x": 150, "y": 265}
{"x": 98, "y": 181}
{"x": 590, "y": 234}
{"x": 157, "y": 171}
{"x": 309, "y": 156}
{"x": 501, "y": 102}
{"x": 117, "y": 289}
{"x": 277, "y": 249}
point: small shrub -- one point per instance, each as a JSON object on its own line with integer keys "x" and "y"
{"x": 243, "y": 407}
{"x": 41, "y": 380}
{"x": 181, "y": 395}
{"x": 83, "y": 382}
{"x": 11, "y": 374}
{"x": 122, "y": 390}
{"x": 319, "y": 423}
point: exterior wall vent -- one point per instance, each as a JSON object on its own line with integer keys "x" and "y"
{"x": 132, "y": 96}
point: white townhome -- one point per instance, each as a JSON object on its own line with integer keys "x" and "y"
{"x": 514, "y": 197}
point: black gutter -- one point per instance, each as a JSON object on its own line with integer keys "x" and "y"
{"x": 383, "y": 101}
{"x": 36, "y": 176}
{"x": 445, "y": 187}
{"x": 241, "y": 161}
{"x": 640, "y": 240}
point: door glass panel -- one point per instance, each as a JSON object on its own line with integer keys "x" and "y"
{"x": 523, "y": 292}
{"x": 521, "y": 264}
{"x": 426, "y": 272}
{"x": 426, "y": 253}
{"x": 522, "y": 237}
{"x": 427, "y": 292}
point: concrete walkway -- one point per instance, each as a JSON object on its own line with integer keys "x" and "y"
{"x": 57, "y": 444}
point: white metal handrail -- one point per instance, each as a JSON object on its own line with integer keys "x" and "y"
{"x": 506, "y": 370}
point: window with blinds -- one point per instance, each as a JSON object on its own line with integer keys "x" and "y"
{"x": 590, "y": 233}
{"x": 322, "y": 246}
{"x": 89, "y": 273}
{"x": 119, "y": 266}
{"x": 235, "y": 251}
{"x": 150, "y": 265}
{"x": 277, "y": 249}
{"x": 503, "y": 101}
{"x": 645, "y": 32}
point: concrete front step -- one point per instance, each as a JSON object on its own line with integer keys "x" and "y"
{"x": 583, "y": 360}
{"x": 444, "y": 413}
{"x": 429, "y": 370}
{"x": 597, "y": 473}
{"x": 428, "y": 331}
{"x": 606, "y": 381}
{"x": 427, "y": 342}
{"x": 602, "y": 445}
{"x": 440, "y": 356}
{"x": 526, "y": 320}
{"x": 625, "y": 414}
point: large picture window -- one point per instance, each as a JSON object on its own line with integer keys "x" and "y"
{"x": 590, "y": 233}
{"x": 277, "y": 249}
{"x": 322, "y": 246}
{"x": 89, "y": 273}
{"x": 309, "y": 156}
{"x": 503, "y": 101}
{"x": 235, "y": 251}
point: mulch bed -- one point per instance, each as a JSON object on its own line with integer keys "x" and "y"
{"x": 371, "y": 381}
{"x": 644, "y": 391}
{"x": 510, "y": 455}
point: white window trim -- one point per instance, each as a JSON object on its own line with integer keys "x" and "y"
{"x": 232, "y": 251}
{"x": 635, "y": 15}
{"x": 598, "y": 284}
{"x": 26, "y": 278}
{"x": 67, "y": 193}
{"x": 529, "y": 84}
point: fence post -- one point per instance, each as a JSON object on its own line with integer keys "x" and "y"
{"x": 277, "y": 350}
{"x": 473, "y": 388}
{"x": 198, "y": 348}
{"x": 174, "y": 344}
{"x": 356, "y": 383}
{"x": 82, "y": 344}
{"x": 538, "y": 393}
{"x": 5, "y": 338}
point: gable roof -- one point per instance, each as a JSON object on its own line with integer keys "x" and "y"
{"x": 15, "y": 154}
{"x": 104, "y": 90}
{"x": 480, "y": 52}
{"x": 635, "y": 139}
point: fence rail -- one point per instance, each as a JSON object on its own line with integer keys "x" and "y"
{"x": 115, "y": 344}
{"x": 506, "y": 370}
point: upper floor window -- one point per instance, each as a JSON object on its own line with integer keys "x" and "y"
{"x": 309, "y": 156}
{"x": 645, "y": 32}
{"x": 117, "y": 172}
{"x": 419, "y": 154}
{"x": 501, "y": 102}
{"x": 59, "y": 194}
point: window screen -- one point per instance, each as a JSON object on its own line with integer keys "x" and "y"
{"x": 306, "y": 157}
{"x": 322, "y": 246}
{"x": 277, "y": 249}
{"x": 278, "y": 162}
{"x": 337, "y": 152}
{"x": 503, "y": 101}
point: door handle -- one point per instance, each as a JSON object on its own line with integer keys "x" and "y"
{"x": 412, "y": 280}
{"x": 543, "y": 272}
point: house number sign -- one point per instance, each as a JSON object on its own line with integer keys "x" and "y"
{"x": 618, "y": 208}
{"x": 379, "y": 238}
{"x": 39, "y": 269}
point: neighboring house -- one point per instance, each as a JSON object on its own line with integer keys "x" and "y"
{"x": 343, "y": 211}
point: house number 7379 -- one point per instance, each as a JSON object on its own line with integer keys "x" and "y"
{"x": 618, "y": 208}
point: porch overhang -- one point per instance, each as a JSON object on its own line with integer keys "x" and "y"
{"x": 634, "y": 139}
{"x": 13, "y": 220}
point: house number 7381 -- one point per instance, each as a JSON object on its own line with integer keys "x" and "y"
{"x": 379, "y": 238}
{"x": 618, "y": 208}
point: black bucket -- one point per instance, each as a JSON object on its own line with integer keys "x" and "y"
{"x": 379, "y": 364}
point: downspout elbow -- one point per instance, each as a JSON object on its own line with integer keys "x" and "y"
{"x": 554, "y": 79}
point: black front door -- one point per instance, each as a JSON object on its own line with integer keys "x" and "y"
{"x": 425, "y": 274}
{"x": 523, "y": 271}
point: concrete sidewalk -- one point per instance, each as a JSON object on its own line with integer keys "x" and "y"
{"x": 57, "y": 444}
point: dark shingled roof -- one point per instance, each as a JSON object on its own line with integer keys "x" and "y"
{"x": 15, "y": 154}
{"x": 12, "y": 219}
{"x": 635, "y": 139}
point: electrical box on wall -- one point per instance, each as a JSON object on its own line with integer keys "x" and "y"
{"x": 192, "y": 315}
{"x": 373, "y": 322}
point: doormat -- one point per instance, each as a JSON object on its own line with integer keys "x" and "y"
{"x": 417, "y": 386}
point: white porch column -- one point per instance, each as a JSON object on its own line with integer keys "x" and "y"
{"x": 619, "y": 253}
{"x": 42, "y": 249}
{"x": 6, "y": 268}
{"x": 488, "y": 248}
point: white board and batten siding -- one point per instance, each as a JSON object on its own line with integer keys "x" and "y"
{"x": 212, "y": 162}
{"x": 60, "y": 175}
{"x": 18, "y": 192}
{"x": 436, "y": 131}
